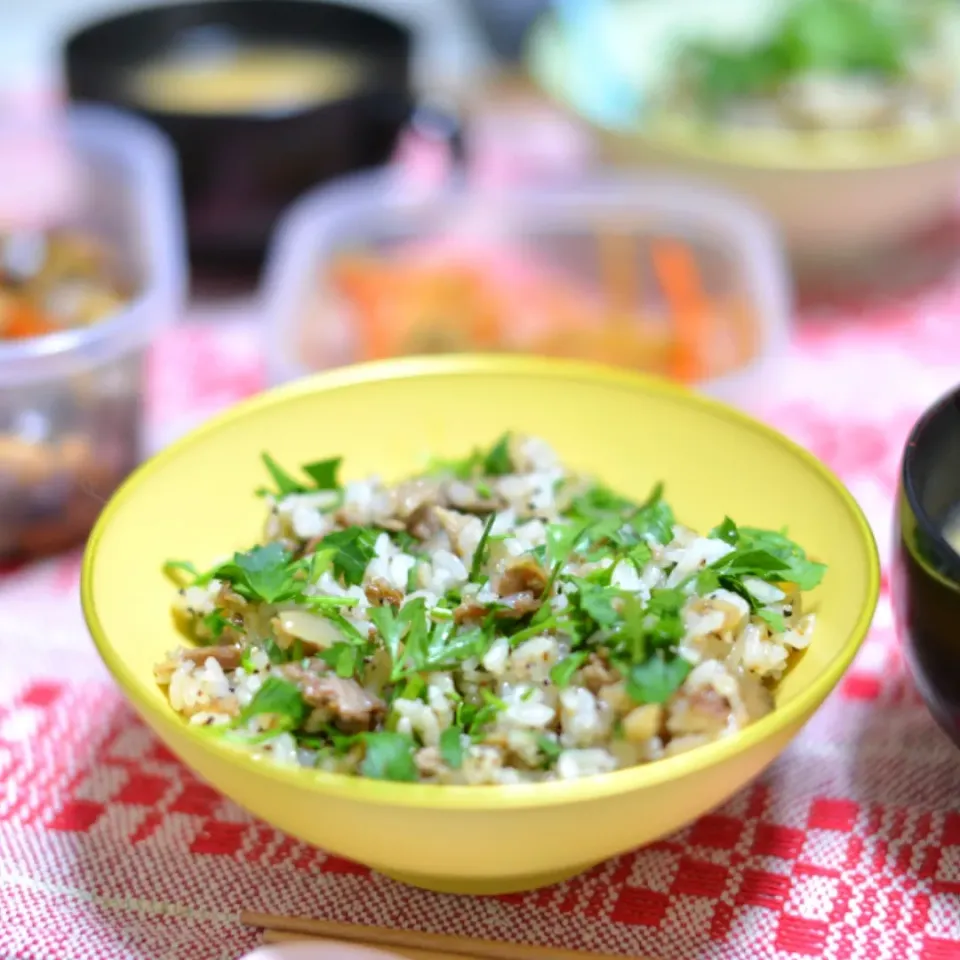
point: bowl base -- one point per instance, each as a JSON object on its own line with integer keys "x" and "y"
{"x": 486, "y": 886}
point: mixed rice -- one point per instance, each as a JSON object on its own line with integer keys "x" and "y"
{"x": 494, "y": 620}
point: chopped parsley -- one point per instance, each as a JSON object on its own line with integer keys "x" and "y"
{"x": 569, "y": 585}
{"x": 280, "y": 699}
{"x": 322, "y": 473}
{"x": 388, "y": 756}
{"x": 451, "y": 747}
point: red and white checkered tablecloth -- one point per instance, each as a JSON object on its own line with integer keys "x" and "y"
{"x": 848, "y": 847}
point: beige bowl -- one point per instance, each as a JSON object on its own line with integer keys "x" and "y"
{"x": 834, "y": 194}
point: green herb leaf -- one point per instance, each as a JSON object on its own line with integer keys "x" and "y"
{"x": 215, "y": 622}
{"x": 261, "y": 573}
{"x": 598, "y": 502}
{"x": 343, "y": 657}
{"x": 663, "y": 617}
{"x": 320, "y": 603}
{"x": 549, "y": 748}
{"x": 563, "y": 539}
{"x": 562, "y": 673}
{"x": 324, "y": 473}
{"x": 279, "y": 698}
{"x": 497, "y": 462}
{"x": 355, "y": 548}
{"x": 388, "y": 756}
{"x": 286, "y": 484}
{"x": 597, "y": 602}
{"x": 773, "y": 619}
{"x": 726, "y": 531}
{"x": 275, "y": 654}
{"x": 654, "y": 519}
{"x": 457, "y": 648}
{"x": 321, "y": 562}
{"x": 805, "y": 573}
{"x": 451, "y": 747}
{"x": 640, "y": 555}
{"x": 658, "y": 679}
{"x": 392, "y": 625}
{"x": 174, "y": 568}
{"x": 480, "y": 553}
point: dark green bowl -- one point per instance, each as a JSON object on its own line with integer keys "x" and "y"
{"x": 926, "y": 569}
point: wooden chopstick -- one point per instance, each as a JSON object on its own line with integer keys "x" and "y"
{"x": 412, "y": 939}
{"x": 282, "y": 936}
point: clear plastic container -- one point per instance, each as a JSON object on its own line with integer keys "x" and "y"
{"x": 595, "y": 271}
{"x": 71, "y": 403}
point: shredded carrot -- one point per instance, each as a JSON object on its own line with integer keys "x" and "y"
{"x": 20, "y": 320}
{"x": 677, "y": 272}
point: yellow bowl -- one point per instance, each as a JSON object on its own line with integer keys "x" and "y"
{"x": 195, "y": 499}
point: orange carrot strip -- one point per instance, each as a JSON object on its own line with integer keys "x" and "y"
{"x": 677, "y": 272}
{"x": 21, "y": 320}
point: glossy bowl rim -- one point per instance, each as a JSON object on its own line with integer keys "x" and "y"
{"x": 932, "y": 531}
{"x": 266, "y": 118}
{"x": 784, "y": 151}
{"x": 498, "y": 797}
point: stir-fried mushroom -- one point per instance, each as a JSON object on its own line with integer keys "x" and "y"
{"x": 351, "y": 708}
{"x": 379, "y": 592}
{"x": 597, "y": 673}
{"x": 413, "y": 495}
{"x": 423, "y": 523}
{"x": 463, "y": 529}
{"x": 231, "y": 601}
{"x": 227, "y": 655}
{"x": 703, "y": 711}
{"x": 514, "y": 607}
{"x": 523, "y": 576}
{"x": 465, "y": 497}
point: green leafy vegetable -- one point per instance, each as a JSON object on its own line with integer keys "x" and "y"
{"x": 656, "y": 680}
{"x": 497, "y": 462}
{"x": 286, "y": 484}
{"x": 726, "y": 531}
{"x": 805, "y": 573}
{"x": 279, "y": 698}
{"x": 654, "y": 519}
{"x": 388, "y": 756}
{"x": 480, "y": 553}
{"x": 562, "y": 673}
{"x": 215, "y": 622}
{"x": 549, "y": 748}
{"x": 833, "y": 37}
{"x": 174, "y": 568}
{"x": 773, "y": 619}
{"x": 451, "y": 747}
{"x": 598, "y": 602}
{"x": 324, "y": 473}
{"x": 355, "y": 547}
{"x": 261, "y": 573}
{"x": 321, "y": 603}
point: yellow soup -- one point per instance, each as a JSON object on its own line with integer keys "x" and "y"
{"x": 265, "y": 78}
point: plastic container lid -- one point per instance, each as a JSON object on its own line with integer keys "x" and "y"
{"x": 371, "y": 210}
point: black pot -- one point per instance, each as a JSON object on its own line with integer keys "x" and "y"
{"x": 926, "y": 569}
{"x": 238, "y": 172}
